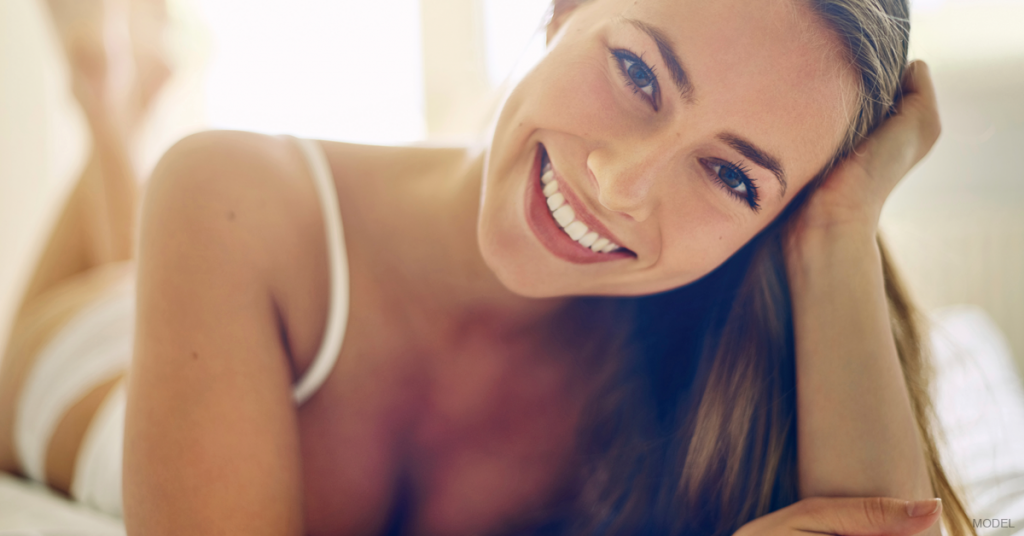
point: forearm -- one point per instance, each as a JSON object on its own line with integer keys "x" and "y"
{"x": 856, "y": 432}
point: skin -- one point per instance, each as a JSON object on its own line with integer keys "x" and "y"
{"x": 458, "y": 374}
{"x": 848, "y": 370}
{"x": 640, "y": 171}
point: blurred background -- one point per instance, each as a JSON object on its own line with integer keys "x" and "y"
{"x": 432, "y": 71}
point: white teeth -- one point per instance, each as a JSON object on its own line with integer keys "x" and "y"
{"x": 556, "y": 201}
{"x": 588, "y": 239}
{"x": 576, "y": 230}
{"x": 564, "y": 215}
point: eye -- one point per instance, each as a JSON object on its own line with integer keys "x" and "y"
{"x": 638, "y": 75}
{"x": 734, "y": 180}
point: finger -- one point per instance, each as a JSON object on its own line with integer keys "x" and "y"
{"x": 917, "y": 85}
{"x": 908, "y": 84}
{"x": 919, "y": 96}
{"x": 916, "y": 115}
{"x": 867, "y": 516}
{"x": 917, "y": 79}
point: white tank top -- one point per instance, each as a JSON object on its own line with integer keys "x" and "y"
{"x": 337, "y": 312}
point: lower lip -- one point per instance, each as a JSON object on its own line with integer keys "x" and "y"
{"x": 550, "y": 234}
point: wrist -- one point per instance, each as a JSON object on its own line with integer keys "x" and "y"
{"x": 834, "y": 233}
{"x": 811, "y": 249}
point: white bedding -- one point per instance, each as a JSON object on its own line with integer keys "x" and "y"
{"x": 31, "y": 509}
{"x": 979, "y": 399}
{"x": 978, "y": 394}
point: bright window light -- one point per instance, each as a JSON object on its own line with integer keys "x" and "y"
{"x": 330, "y": 69}
{"x": 514, "y": 38}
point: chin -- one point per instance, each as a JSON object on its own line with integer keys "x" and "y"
{"x": 513, "y": 260}
{"x": 544, "y": 278}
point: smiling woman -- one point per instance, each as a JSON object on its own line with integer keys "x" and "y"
{"x": 687, "y": 129}
{"x": 662, "y": 163}
{"x": 653, "y": 303}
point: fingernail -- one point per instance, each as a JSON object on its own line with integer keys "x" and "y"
{"x": 923, "y": 508}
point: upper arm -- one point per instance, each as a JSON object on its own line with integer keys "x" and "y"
{"x": 211, "y": 439}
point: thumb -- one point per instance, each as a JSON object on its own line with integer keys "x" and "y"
{"x": 867, "y": 516}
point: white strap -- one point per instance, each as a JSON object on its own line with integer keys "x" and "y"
{"x": 337, "y": 313}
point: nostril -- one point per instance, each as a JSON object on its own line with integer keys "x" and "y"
{"x": 616, "y": 207}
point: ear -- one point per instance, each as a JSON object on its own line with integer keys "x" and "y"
{"x": 560, "y": 13}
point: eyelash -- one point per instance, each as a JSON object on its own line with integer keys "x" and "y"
{"x": 751, "y": 196}
{"x": 621, "y": 57}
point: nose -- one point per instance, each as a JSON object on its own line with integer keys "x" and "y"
{"x": 626, "y": 175}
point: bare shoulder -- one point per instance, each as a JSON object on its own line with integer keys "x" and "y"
{"x": 210, "y": 386}
{"x": 244, "y": 179}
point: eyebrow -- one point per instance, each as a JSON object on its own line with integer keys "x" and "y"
{"x": 682, "y": 81}
{"x": 668, "y": 56}
{"x": 756, "y": 155}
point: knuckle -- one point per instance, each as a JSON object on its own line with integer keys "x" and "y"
{"x": 931, "y": 121}
{"x": 936, "y": 128}
{"x": 875, "y": 511}
{"x": 928, "y": 129}
{"x": 930, "y": 125}
{"x": 821, "y": 512}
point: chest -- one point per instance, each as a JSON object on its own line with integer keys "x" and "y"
{"x": 463, "y": 444}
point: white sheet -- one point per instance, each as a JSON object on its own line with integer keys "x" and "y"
{"x": 980, "y": 403}
{"x": 31, "y": 509}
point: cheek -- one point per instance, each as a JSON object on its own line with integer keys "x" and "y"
{"x": 567, "y": 95}
{"x": 697, "y": 238}
{"x": 574, "y": 94}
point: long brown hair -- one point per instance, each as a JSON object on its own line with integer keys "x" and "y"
{"x": 696, "y": 433}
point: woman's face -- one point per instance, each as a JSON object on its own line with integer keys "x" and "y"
{"x": 676, "y": 129}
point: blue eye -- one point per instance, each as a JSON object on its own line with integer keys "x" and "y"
{"x": 734, "y": 180}
{"x": 638, "y": 76}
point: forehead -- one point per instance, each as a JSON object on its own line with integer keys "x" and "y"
{"x": 769, "y": 70}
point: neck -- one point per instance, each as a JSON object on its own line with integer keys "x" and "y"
{"x": 447, "y": 277}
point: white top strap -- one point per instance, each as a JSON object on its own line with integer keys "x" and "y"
{"x": 337, "y": 313}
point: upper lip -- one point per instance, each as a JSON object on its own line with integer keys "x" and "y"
{"x": 580, "y": 208}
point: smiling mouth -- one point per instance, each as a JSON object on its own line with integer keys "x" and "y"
{"x": 582, "y": 238}
{"x": 565, "y": 216}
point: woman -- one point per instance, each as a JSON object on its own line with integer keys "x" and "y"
{"x": 594, "y": 325}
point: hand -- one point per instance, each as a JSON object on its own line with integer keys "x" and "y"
{"x": 868, "y": 516}
{"x": 855, "y": 190}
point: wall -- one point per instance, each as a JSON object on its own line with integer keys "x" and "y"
{"x": 42, "y": 140}
{"x": 956, "y": 224}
